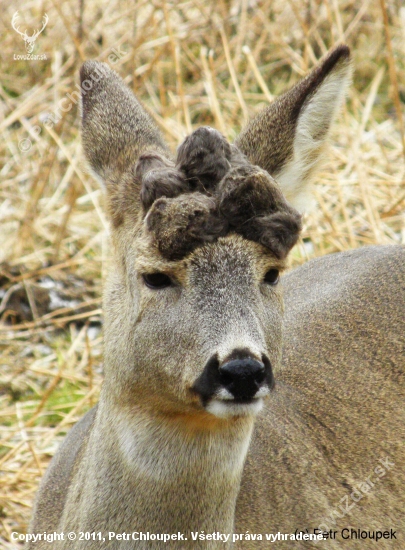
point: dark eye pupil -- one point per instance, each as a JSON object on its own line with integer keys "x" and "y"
{"x": 157, "y": 280}
{"x": 271, "y": 277}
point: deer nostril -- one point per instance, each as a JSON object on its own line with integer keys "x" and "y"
{"x": 242, "y": 377}
{"x": 225, "y": 377}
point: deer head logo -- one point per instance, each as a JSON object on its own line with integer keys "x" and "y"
{"x": 29, "y": 40}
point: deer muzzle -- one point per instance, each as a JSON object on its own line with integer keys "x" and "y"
{"x": 236, "y": 386}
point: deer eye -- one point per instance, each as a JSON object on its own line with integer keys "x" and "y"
{"x": 272, "y": 277}
{"x": 156, "y": 281}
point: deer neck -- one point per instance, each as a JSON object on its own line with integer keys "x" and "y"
{"x": 185, "y": 473}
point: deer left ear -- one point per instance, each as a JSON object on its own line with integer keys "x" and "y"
{"x": 287, "y": 138}
{"x": 116, "y": 129}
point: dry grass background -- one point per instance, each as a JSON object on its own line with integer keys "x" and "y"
{"x": 192, "y": 62}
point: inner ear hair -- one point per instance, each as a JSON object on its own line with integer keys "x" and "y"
{"x": 287, "y": 137}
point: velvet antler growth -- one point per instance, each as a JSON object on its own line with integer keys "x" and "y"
{"x": 213, "y": 190}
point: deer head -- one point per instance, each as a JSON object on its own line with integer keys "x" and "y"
{"x": 193, "y": 305}
{"x": 29, "y": 40}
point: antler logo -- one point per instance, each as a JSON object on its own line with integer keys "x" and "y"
{"x": 29, "y": 40}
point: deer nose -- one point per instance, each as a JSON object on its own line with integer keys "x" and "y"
{"x": 242, "y": 377}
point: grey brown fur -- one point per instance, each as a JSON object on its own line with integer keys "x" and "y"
{"x": 169, "y": 448}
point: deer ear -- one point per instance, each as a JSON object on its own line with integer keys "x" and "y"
{"x": 288, "y": 136}
{"x": 116, "y": 129}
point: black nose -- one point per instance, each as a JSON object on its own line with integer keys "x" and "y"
{"x": 240, "y": 374}
{"x": 242, "y": 377}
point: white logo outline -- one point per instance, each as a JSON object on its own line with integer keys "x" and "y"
{"x": 29, "y": 40}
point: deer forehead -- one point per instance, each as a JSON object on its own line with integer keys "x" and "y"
{"x": 231, "y": 255}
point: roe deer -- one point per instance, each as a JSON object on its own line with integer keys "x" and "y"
{"x": 196, "y": 345}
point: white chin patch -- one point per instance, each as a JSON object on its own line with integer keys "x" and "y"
{"x": 228, "y": 408}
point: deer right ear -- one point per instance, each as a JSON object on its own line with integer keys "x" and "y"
{"x": 116, "y": 129}
{"x": 286, "y": 139}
